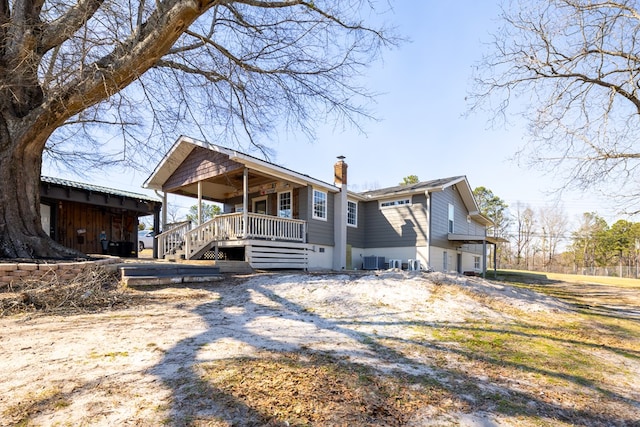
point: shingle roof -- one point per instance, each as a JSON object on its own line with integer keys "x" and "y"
{"x": 96, "y": 188}
{"x": 411, "y": 188}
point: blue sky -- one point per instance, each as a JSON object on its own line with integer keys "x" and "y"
{"x": 422, "y": 129}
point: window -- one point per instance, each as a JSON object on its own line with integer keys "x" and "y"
{"x": 451, "y": 214}
{"x": 319, "y": 205}
{"x": 445, "y": 261}
{"x": 284, "y": 205}
{"x": 397, "y": 202}
{"x": 352, "y": 213}
{"x": 260, "y": 205}
{"x": 476, "y": 263}
{"x": 45, "y": 218}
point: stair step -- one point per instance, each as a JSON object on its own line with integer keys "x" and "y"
{"x": 167, "y": 274}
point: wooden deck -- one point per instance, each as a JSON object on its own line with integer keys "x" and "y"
{"x": 269, "y": 242}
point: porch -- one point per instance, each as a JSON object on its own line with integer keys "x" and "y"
{"x": 262, "y": 240}
{"x": 266, "y": 208}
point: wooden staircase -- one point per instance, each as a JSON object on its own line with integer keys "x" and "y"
{"x": 269, "y": 242}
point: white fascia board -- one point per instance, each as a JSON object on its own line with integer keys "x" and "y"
{"x": 481, "y": 218}
{"x": 280, "y": 172}
{"x": 164, "y": 169}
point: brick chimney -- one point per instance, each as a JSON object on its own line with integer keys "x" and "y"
{"x": 340, "y": 172}
{"x": 340, "y": 215}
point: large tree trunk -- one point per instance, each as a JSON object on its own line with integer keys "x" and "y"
{"x": 21, "y": 233}
{"x": 30, "y": 113}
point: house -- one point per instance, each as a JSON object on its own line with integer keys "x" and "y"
{"x": 94, "y": 219}
{"x": 274, "y": 217}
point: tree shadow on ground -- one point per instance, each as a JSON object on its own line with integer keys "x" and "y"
{"x": 255, "y": 319}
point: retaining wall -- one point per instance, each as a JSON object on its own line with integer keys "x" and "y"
{"x": 11, "y": 272}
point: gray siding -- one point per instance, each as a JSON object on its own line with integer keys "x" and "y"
{"x": 318, "y": 232}
{"x": 397, "y": 226}
{"x": 356, "y": 235}
{"x": 440, "y": 217}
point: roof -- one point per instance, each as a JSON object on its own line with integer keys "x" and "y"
{"x": 96, "y": 189}
{"x": 420, "y": 187}
{"x": 184, "y": 145}
{"x": 430, "y": 187}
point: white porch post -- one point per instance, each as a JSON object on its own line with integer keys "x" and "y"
{"x": 245, "y": 202}
{"x": 199, "y": 202}
{"x": 164, "y": 212}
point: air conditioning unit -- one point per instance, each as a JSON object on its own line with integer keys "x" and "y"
{"x": 395, "y": 263}
{"x": 414, "y": 264}
{"x": 373, "y": 263}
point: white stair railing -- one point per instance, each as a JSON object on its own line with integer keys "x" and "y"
{"x": 171, "y": 240}
{"x": 230, "y": 227}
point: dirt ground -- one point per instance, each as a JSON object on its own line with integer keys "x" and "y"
{"x": 390, "y": 348}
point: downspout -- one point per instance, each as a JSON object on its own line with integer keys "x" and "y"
{"x": 428, "y": 236}
{"x": 164, "y": 210}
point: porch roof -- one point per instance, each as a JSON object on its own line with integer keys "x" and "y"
{"x": 261, "y": 171}
{"x": 472, "y": 239}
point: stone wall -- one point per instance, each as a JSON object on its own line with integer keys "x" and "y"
{"x": 11, "y": 272}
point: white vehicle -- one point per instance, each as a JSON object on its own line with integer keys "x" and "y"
{"x": 145, "y": 239}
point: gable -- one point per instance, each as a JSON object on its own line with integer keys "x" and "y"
{"x": 200, "y": 165}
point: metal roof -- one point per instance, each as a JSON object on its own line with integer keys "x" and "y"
{"x": 96, "y": 188}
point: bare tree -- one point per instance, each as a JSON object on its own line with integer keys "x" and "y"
{"x": 525, "y": 227}
{"x": 227, "y": 70}
{"x": 571, "y": 67}
{"x": 553, "y": 227}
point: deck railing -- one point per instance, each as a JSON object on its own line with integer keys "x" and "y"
{"x": 172, "y": 240}
{"x": 230, "y": 227}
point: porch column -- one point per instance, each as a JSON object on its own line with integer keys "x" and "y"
{"x": 199, "y": 202}
{"x": 245, "y": 202}
{"x": 156, "y": 226}
{"x": 484, "y": 258}
{"x": 164, "y": 213}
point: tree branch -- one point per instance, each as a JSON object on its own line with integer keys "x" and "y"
{"x": 61, "y": 29}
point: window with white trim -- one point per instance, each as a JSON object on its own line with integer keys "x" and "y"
{"x": 445, "y": 261}
{"x": 396, "y": 202}
{"x": 451, "y": 216}
{"x": 319, "y": 205}
{"x": 284, "y": 205}
{"x": 476, "y": 263}
{"x": 352, "y": 213}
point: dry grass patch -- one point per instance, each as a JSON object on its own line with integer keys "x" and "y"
{"x": 20, "y": 412}
{"x": 579, "y": 367}
{"x": 299, "y": 390}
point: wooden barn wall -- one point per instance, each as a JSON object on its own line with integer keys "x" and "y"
{"x": 71, "y": 217}
{"x": 199, "y": 165}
